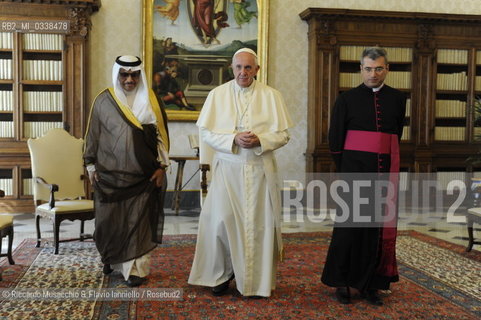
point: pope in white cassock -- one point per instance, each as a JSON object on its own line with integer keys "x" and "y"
{"x": 241, "y": 123}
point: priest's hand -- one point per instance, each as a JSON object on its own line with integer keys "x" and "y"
{"x": 247, "y": 140}
{"x": 158, "y": 177}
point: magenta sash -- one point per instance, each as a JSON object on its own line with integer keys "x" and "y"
{"x": 382, "y": 143}
{"x": 376, "y": 142}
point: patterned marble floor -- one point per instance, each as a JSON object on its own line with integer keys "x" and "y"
{"x": 433, "y": 224}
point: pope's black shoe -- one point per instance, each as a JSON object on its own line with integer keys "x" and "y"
{"x": 343, "y": 295}
{"x": 372, "y": 296}
{"x": 107, "y": 269}
{"x": 135, "y": 281}
{"x": 222, "y": 288}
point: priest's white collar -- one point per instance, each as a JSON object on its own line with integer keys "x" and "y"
{"x": 378, "y": 88}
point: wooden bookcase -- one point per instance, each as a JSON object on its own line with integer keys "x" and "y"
{"x": 434, "y": 58}
{"x": 43, "y": 71}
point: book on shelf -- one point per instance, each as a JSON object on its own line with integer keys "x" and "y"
{"x": 6, "y": 129}
{"x": 408, "y": 108}
{"x": 5, "y": 69}
{"x": 478, "y": 57}
{"x": 452, "y": 81}
{"x": 6, "y": 184}
{"x": 36, "y": 129}
{"x": 395, "y": 79}
{"x": 454, "y": 56}
{"x": 42, "y": 101}
{"x": 403, "y": 181}
{"x": 6, "y": 100}
{"x": 477, "y": 85}
{"x": 450, "y": 109}
{"x": 399, "y": 79}
{"x": 6, "y": 40}
{"x": 27, "y": 186}
{"x": 42, "y": 70}
{"x": 444, "y": 178}
{"x": 449, "y": 133}
{"x": 394, "y": 54}
{"x": 406, "y": 133}
{"x": 42, "y": 41}
{"x": 349, "y": 80}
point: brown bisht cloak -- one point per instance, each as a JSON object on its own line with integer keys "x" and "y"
{"x": 129, "y": 213}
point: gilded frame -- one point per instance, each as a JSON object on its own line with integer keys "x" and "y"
{"x": 148, "y": 49}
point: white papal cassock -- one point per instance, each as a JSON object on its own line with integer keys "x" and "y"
{"x": 239, "y": 226}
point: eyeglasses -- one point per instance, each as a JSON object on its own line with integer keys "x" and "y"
{"x": 125, "y": 75}
{"x": 376, "y": 70}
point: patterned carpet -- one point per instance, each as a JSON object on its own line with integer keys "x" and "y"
{"x": 438, "y": 281}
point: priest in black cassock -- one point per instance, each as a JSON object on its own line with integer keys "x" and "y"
{"x": 365, "y": 130}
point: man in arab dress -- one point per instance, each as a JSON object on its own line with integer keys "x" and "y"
{"x": 126, "y": 153}
{"x": 241, "y": 123}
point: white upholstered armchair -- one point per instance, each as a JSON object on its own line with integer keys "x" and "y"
{"x": 58, "y": 176}
{"x": 6, "y": 230}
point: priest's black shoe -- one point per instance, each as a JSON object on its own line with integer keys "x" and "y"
{"x": 222, "y": 288}
{"x": 343, "y": 295}
{"x": 135, "y": 281}
{"x": 107, "y": 269}
{"x": 373, "y": 298}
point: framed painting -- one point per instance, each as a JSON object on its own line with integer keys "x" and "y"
{"x": 188, "y": 45}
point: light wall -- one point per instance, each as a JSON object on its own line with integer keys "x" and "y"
{"x": 117, "y": 30}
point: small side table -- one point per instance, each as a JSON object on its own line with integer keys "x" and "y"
{"x": 178, "y": 179}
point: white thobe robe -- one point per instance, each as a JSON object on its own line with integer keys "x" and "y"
{"x": 139, "y": 267}
{"x": 239, "y": 226}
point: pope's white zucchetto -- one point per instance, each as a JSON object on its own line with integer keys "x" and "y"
{"x": 245, "y": 50}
